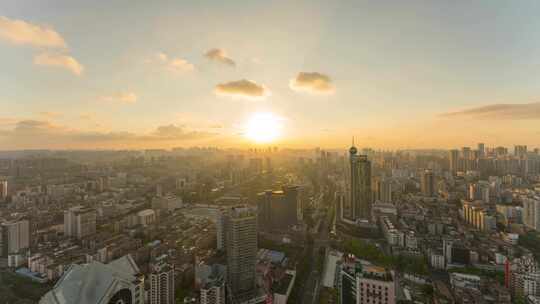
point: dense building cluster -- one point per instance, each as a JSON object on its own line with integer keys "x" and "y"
{"x": 273, "y": 225}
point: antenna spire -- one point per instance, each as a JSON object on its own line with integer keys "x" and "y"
{"x": 353, "y": 141}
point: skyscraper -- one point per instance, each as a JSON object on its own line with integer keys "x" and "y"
{"x": 220, "y": 231}
{"x": 454, "y": 160}
{"x": 159, "y": 190}
{"x": 520, "y": 151}
{"x": 466, "y": 153}
{"x": 383, "y": 190}
{"x": 240, "y": 225}
{"x": 278, "y": 210}
{"x": 360, "y": 185}
{"x": 531, "y": 213}
{"x": 15, "y": 237}
{"x": 427, "y": 183}
{"x": 3, "y": 189}
{"x": 481, "y": 149}
{"x": 162, "y": 284}
{"x": 467, "y": 157}
{"x": 479, "y": 191}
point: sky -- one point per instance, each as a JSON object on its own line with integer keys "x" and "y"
{"x": 159, "y": 74}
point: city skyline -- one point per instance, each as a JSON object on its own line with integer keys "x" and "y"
{"x": 270, "y": 152}
{"x": 395, "y": 75}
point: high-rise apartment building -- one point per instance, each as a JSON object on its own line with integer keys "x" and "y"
{"x": 523, "y": 276}
{"x": 477, "y": 216}
{"x": 15, "y": 237}
{"x": 454, "y": 160}
{"x": 501, "y": 151}
{"x": 427, "y": 183}
{"x": 278, "y": 210}
{"x": 256, "y": 165}
{"x": 162, "y": 284}
{"x": 3, "y": 189}
{"x": 360, "y": 185}
{"x": 79, "y": 222}
{"x": 240, "y": 226}
{"x": 220, "y": 230}
{"x": 159, "y": 190}
{"x": 382, "y": 190}
{"x": 466, "y": 153}
{"x": 531, "y": 212}
{"x": 479, "y": 191}
{"x": 481, "y": 149}
{"x": 520, "y": 151}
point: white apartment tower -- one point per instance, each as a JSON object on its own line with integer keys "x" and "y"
{"x": 79, "y": 222}
{"x": 531, "y": 212}
{"x": 240, "y": 225}
{"x": 3, "y": 189}
{"x": 15, "y": 237}
{"x": 162, "y": 284}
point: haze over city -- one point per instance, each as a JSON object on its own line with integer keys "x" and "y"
{"x": 394, "y": 74}
{"x": 269, "y": 152}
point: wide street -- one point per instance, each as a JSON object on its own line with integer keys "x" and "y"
{"x": 312, "y": 283}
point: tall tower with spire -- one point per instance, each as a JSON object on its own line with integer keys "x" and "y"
{"x": 359, "y": 184}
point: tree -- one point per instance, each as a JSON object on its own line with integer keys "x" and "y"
{"x": 519, "y": 300}
{"x": 427, "y": 290}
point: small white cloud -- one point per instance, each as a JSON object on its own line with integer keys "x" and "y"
{"x": 180, "y": 65}
{"x": 173, "y": 64}
{"x": 20, "y": 32}
{"x": 162, "y": 57}
{"x": 59, "y": 60}
{"x": 120, "y": 97}
{"x": 245, "y": 89}
{"x": 314, "y": 82}
{"x": 219, "y": 55}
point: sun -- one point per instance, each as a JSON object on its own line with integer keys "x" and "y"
{"x": 263, "y": 127}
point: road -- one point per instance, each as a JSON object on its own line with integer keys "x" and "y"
{"x": 312, "y": 284}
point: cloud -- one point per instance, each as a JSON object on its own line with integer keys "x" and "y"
{"x": 315, "y": 83}
{"x": 28, "y": 133}
{"x": 59, "y": 60}
{"x": 180, "y": 65}
{"x": 174, "y": 64}
{"x": 219, "y": 55}
{"x": 174, "y": 132}
{"x": 518, "y": 111}
{"x": 198, "y": 120}
{"x": 120, "y": 97}
{"x": 36, "y": 127}
{"x": 20, "y": 32}
{"x": 245, "y": 89}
